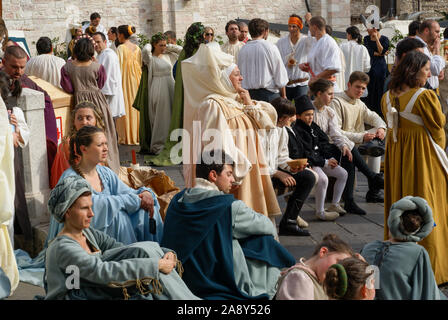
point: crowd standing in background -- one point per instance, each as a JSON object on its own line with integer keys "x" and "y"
{"x": 248, "y": 120}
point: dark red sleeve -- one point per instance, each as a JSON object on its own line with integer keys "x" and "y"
{"x": 66, "y": 83}
{"x": 101, "y": 77}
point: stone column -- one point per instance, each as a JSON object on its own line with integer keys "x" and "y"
{"x": 35, "y": 166}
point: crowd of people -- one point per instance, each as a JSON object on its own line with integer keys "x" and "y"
{"x": 248, "y": 119}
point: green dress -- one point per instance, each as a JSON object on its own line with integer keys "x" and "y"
{"x": 112, "y": 271}
{"x": 163, "y": 158}
{"x": 141, "y": 100}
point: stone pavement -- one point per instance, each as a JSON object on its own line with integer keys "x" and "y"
{"x": 355, "y": 230}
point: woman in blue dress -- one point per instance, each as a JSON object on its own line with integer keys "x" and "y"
{"x": 377, "y": 45}
{"x": 126, "y": 214}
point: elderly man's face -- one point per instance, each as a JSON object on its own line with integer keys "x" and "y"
{"x": 14, "y": 67}
{"x": 244, "y": 31}
{"x": 434, "y": 33}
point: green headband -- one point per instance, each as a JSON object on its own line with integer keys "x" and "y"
{"x": 343, "y": 283}
{"x": 158, "y": 37}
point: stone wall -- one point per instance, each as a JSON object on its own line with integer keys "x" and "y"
{"x": 402, "y": 6}
{"x": 50, "y": 18}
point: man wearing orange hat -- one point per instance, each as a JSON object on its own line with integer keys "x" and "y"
{"x": 294, "y": 50}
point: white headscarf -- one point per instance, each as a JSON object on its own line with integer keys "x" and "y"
{"x": 204, "y": 74}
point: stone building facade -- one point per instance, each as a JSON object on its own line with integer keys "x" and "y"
{"x": 399, "y": 7}
{"x": 52, "y": 17}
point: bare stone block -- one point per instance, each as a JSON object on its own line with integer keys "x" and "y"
{"x": 35, "y": 166}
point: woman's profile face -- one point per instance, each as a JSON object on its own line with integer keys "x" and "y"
{"x": 84, "y": 117}
{"x": 236, "y": 78}
{"x": 78, "y": 32}
{"x": 111, "y": 36}
{"x": 121, "y": 37}
{"x": 424, "y": 74}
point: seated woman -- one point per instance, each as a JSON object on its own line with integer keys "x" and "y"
{"x": 107, "y": 269}
{"x": 304, "y": 280}
{"x": 85, "y": 113}
{"x": 350, "y": 279}
{"x": 123, "y": 213}
{"x": 404, "y": 265}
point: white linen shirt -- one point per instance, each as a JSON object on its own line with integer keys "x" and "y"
{"x": 356, "y": 58}
{"x": 326, "y": 119}
{"x": 325, "y": 55}
{"x": 300, "y": 52}
{"x": 275, "y": 147}
{"x": 261, "y": 66}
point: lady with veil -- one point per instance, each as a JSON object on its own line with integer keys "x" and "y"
{"x": 222, "y": 112}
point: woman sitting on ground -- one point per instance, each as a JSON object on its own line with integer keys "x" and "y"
{"x": 304, "y": 280}
{"x": 350, "y": 279}
{"x": 404, "y": 265}
{"x": 84, "y": 114}
{"x": 107, "y": 269}
{"x": 126, "y": 214}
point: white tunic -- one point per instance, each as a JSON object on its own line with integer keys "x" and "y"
{"x": 275, "y": 146}
{"x": 261, "y": 66}
{"x": 46, "y": 67}
{"x": 7, "y": 187}
{"x": 233, "y": 49}
{"x": 437, "y": 65}
{"x": 326, "y": 119}
{"x": 300, "y": 52}
{"x": 356, "y": 58}
{"x": 112, "y": 89}
{"x": 172, "y": 53}
{"x": 99, "y": 28}
{"x": 325, "y": 55}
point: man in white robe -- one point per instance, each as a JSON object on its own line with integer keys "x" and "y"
{"x": 294, "y": 49}
{"x": 46, "y": 65}
{"x": 112, "y": 89}
{"x": 261, "y": 65}
{"x": 233, "y": 46}
{"x": 95, "y": 20}
{"x": 7, "y": 186}
{"x": 429, "y": 34}
{"x": 324, "y": 58}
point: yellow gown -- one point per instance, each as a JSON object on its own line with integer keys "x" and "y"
{"x": 131, "y": 72}
{"x": 411, "y": 167}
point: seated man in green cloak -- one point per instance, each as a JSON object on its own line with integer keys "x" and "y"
{"x": 228, "y": 250}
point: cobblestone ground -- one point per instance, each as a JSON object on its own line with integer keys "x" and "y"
{"x": 355, "y": 230}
